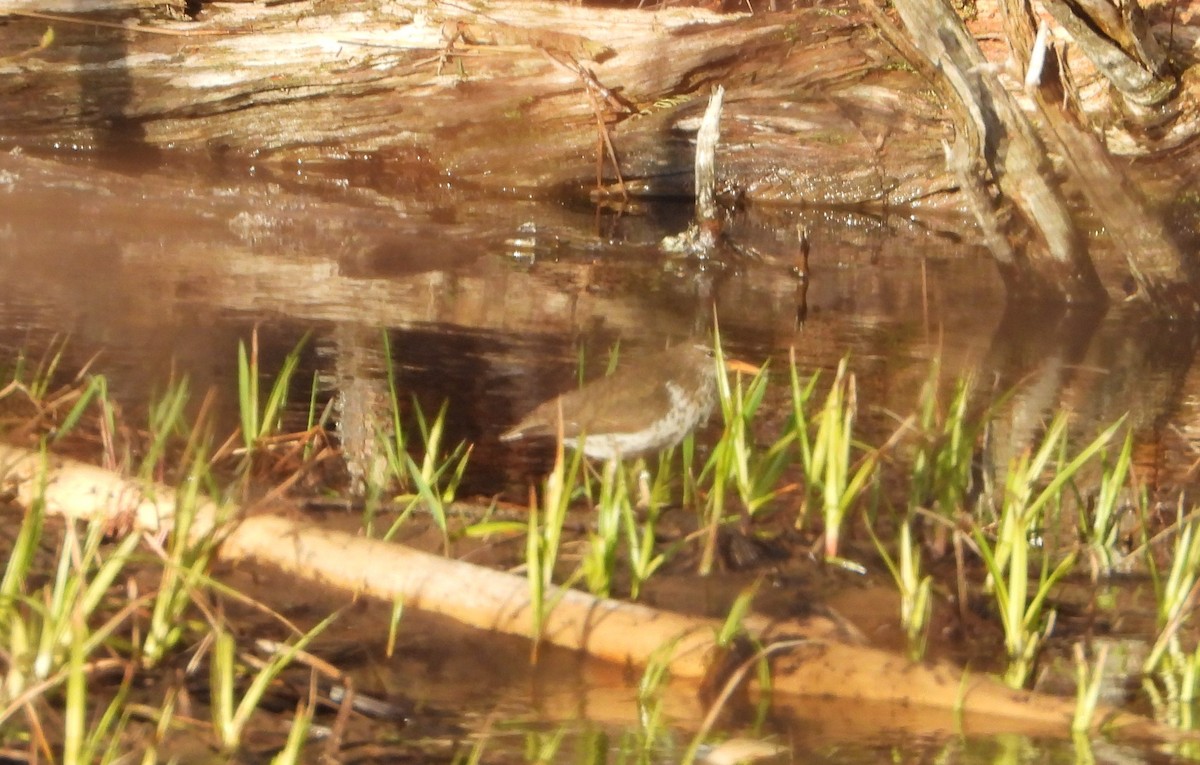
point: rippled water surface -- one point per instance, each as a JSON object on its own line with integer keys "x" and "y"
{"x": 490, "y": 305}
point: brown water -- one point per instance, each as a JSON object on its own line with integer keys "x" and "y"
{"x": 488, "y": 303}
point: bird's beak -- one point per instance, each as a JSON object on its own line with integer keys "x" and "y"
{"x": 736, "y": 365}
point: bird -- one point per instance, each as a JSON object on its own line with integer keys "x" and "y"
{"x": 647, "y": 405}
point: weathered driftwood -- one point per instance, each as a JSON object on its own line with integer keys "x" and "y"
{"x": 502, "y": 96}
{"x": 1005, "y": 144}
{"x": 511, "y": 94}
{"x": 1001, "y": 142}
{"x": 818, "y": 663}
{"x": 1115, "y": 37}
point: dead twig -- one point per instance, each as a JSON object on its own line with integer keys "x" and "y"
{"x": 595, "y": 91}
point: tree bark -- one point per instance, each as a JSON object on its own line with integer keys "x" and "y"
{"x": 518, "y": 95}
{"x": 444, "y": 94}
{"x": 1007, "y": 148}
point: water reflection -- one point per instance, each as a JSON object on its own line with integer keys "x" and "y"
{"x": 489, "y": 303}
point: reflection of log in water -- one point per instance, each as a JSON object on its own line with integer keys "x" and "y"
{"x": 1099, "y": 368}
{"x": 184, "y": 269}
{"x": 338, "y": 92}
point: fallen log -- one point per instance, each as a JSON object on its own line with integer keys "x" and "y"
{"x": 408, "y": 97}
{"x": 418, "y": 95}
{"x": 816, "y": 664}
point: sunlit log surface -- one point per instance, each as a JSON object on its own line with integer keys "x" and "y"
{"x": 446, "y": 90}
{"x": 510, "y": 96}
{"x": 504, "y": 97}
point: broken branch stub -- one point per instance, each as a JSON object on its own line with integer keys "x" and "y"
{"x": 702, "y": 236}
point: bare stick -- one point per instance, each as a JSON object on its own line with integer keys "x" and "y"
{"x": 700, "y": 238}
{"x": 706, "y": 159}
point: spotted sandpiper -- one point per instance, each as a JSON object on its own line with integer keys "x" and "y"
{"x": 646, "y": 405}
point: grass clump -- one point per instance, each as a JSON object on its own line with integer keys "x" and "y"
{"x": 261, "y": 418}
{"x": 763, "y": 477}
{"x": 92, "y": 612}
{"x": 433, "y": 482}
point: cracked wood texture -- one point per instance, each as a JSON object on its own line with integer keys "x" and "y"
{"x": 507, "y": 95}
{"x": 496, "y": 96}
